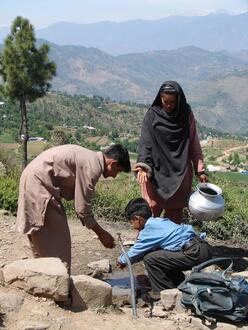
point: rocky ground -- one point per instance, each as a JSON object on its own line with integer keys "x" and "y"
{"x": 24, "y": 311}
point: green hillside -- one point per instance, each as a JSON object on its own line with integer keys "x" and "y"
{"x": 111, "y": 121}
{"x": 215, "y": 83}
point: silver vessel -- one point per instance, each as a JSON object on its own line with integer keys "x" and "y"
{"x": 206, "y": 203}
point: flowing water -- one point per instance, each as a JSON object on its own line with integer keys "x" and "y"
{"x": 120, "y": 282}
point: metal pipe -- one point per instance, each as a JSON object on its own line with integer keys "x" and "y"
{"x": 134, "y": 310}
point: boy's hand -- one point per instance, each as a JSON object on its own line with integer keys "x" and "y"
{"x": 107, "y": 239}
{"x": 120, "y": 265}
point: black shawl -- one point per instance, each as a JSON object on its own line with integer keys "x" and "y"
{"x": 164, "y": 142}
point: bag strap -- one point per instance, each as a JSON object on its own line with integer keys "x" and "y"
{"x": 199, "y": 312}
{"x": 213, "y": 262}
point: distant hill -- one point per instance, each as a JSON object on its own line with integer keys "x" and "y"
{"x": 222, "y": 102}
{"x": 212, "y": 32}
{"x": 134, "y": 77}
{"x": 75, "y": 114}
{"x": 215, "y": 83}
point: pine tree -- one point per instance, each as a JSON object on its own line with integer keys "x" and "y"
{"x": 26, "y": 72}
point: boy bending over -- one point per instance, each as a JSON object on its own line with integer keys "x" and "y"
{"x": 166, "y": 248}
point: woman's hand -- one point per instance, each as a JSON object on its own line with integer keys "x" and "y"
{"x": 142, "y": 176}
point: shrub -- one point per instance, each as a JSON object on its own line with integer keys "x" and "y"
{"x": 2, "y": 170}
{"x": 113, "y": 195}
{"x": 9, "y": 194}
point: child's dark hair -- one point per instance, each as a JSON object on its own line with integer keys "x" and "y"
{"x": 138, "y": 206}
{"x": 119, "y": 153}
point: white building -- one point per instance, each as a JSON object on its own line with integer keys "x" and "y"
{"x": 91, "y": 128}
{"x": 212, "y": 168}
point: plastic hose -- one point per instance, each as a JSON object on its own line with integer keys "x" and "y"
{"x": 134, "y": 310}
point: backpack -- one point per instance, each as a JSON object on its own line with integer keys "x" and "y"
{"x": 215, "y": 296}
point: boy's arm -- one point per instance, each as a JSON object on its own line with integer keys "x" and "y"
{"x": 145, "y": 243}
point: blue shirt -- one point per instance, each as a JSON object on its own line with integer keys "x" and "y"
{"x": 159, "y": 233}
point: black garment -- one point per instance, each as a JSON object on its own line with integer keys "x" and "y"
{"x": 165, "y": 267}
{"x": 164, "y": 143}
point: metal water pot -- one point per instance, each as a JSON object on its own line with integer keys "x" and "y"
{"x": 206, "y": 203}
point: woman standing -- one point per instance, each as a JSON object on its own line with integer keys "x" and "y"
{"x": 168, "y": 147}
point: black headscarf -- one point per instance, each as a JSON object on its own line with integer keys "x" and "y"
{"x": 164, "y": 141}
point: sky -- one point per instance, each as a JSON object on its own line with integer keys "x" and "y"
{"x": 42, "y": 13}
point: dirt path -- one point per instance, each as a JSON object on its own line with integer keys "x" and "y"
{"x": 39, "y": 313}
{"x": 227, "y": 152}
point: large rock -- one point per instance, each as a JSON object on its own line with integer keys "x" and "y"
{"x": 11, "y": 301}
{"x": 88, "y": 292}
{"x": 45, "y": 277}
{"x": 171, "y": 299}
{"x": 102, "y": 266}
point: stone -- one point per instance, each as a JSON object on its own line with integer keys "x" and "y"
{"x": 122, "y": 299}
{"x": 43, "y": 277}
{"x": 209, "y": 269}
{"x": 88, "y": 292}
{"x": 1, "y": 276}
{"x": 199, "y": 323}
{"x": 11, "y": 302}
{"x": 225, "y": 326}
{"x": 171, "y": 299}
{"x": 102, "y": 266}
{"x": 128, "y": 243}
{"x": 33, "y": 326}
{"x": 158, "y": 311}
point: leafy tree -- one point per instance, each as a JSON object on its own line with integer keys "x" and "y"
{"x": 59, "y": 137}
{"x": 26, "y": 71}
{"x": 236, "y": 159}
{"x": 114, "y": 134}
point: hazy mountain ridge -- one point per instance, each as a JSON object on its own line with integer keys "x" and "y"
{"x": 212, "y": 32}
{"x": 215, "y": 83}
{"x": 134, "y": 77}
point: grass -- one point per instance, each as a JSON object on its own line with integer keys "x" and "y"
{"x": 232, "y": 177}
{"x": 8, "y": 146}
{"x": 35, "y": 148}
{"x": 133, "y": 156}
{"x": 6, "y": 138}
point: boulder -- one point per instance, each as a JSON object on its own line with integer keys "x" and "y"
{"x": 88, "y": 292}
{"x": 11, "y": 301}
{"x": 44, "y": 277}
{"x": 103, "y": 266}
{"x": 171, "y": 299}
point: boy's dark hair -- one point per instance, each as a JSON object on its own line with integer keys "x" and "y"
{"x": 138, "y": 206}
{"x": 119, "y": 153}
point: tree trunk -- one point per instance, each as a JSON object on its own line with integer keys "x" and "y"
{"x": 24, "y": 132}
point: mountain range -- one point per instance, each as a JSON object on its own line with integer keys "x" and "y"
{"x": 211, "y": 32}
{"x": 215, "y": 82}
